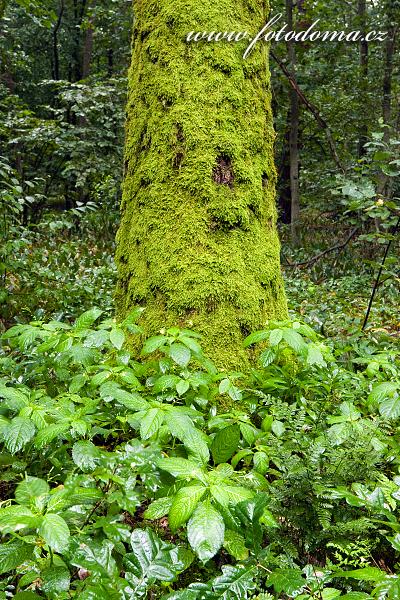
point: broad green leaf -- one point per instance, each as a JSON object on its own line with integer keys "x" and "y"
{"x": 225, "y": 444}
{"x": 314, "y": 356}
{"x": 181, "y": 468}
{"x": 46, "y": 436}
{"x": 195, "y": 442}
{"x": 85, "y": 455}
{"x": 184, "y": 504}
{"x": 275, "y": 337}
{"x": 14, "y": 518}
{"x": 178, "y": 423}
{"x": 151, "y": 423}
{"x": 236, "y": 582}
{"x": 131, "y": 400}
{"x": 30, "y": 488}
{"x": 234, "y": 544}
{"x": 152, "y": 559}
{"x": 180, "y": 354}
{"x": 97, "y": 339}
{"x": 86, "y": 320}
{"x": 13, "y": 554}
{"x": 383, "y": 391}
{"x": 96, "y": 557}
{"x": 18, "y": 433}
{"x": 14, "y": 399}
{"x": 255, "y": 338}
{"x": 356, "y": 596}
{"x": 390, "y": 407}
{"x": 153, "y": 344}
{"x": 294, "y": 340}
{"x": 206, "y": 531}
{"x": 159, "y": 508}
{"x": 117, "y": 338}
{"x": 166, "y": 382}
{"x": 55, "y": 532}
{"x": 261, "y": 462}
{"x": 267, "y": 357}
{"x": 288, "y": 581}
{"x": 55, "y": 580}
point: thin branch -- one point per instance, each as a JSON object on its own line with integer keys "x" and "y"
{"x": 377, "y": 281}
{"x": 317, "y": 257}
{"x": 313, "y": 109}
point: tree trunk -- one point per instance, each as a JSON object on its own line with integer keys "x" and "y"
{"x": 87, "y": 50}
{"x": 56, "y": 56}
{"x": 294, "y": 134}
{"x": 387, "y": 92}
{"x": 364, "y": 51}
{"x": 198, "y": 244}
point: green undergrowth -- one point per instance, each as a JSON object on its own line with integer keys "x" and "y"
{"x": 124, "y": 477}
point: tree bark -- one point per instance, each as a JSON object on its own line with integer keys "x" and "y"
{"x": 56, "y": 57}
{"x": 87, "y": 50}
{"x": 294, "y": 134}
{"x": 387, "y": 92}
{"x": 364, "y": 59}
{"x": 198, "y": 244}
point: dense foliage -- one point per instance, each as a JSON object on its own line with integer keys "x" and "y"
{"x": 125, "y": 476}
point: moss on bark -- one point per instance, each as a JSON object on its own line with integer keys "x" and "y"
{"x": 198, "y": 244}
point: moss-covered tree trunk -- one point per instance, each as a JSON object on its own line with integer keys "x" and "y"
{"x": 198, "y": 245}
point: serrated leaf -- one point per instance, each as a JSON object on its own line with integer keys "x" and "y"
{"x": 85, "y": 455}
{"x": 14, "y": 518}
{"x": 184, "y": 504}
{"x": 235, "y": 545}
{"x": 261, "y": 462}
{"x": 18, "y": 433}
{"x": 87, "y": 319}
{"x": 96, "y": 558}
{"x": 390, "y": 408}
{"x": 46, "y": 436}
{"x": 182, "y": 387}
{"x": 14, "y": 399}
{"x": 151, "y": 423}
{"x": 30, "y": 488}
{"x": 206, "y": 531}
{"x": 314, "y": 356}
{"x": 13, "y": 554}
{"x": 275, "y": 337}
{"x": 55, "y": 580}
{"x": 236, "y": 583}
{"x": 117, "y": 338}
{"x": 166, "y": 382}
{"x": 267, "y": 357}
{"x": 153, "y": 344}
{"x": 225, "y": 444}
{"x": 55, "y": 532}
{"x": 255, "y": 338}
{"x": 181, "y": 468}
{"x": 152, "y": 559}
{"x": 180, "y": 354}
{"x": 288, "y": 581}
{"x": 195, "y": 443}
{"x": 133, "y": 400}
{"x": 383, "y": 391}
{"x": 294, "y": 340}
{"x": 159, "y": 508}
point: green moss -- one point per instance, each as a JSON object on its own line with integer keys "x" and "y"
{"x": 198, "y": 244}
